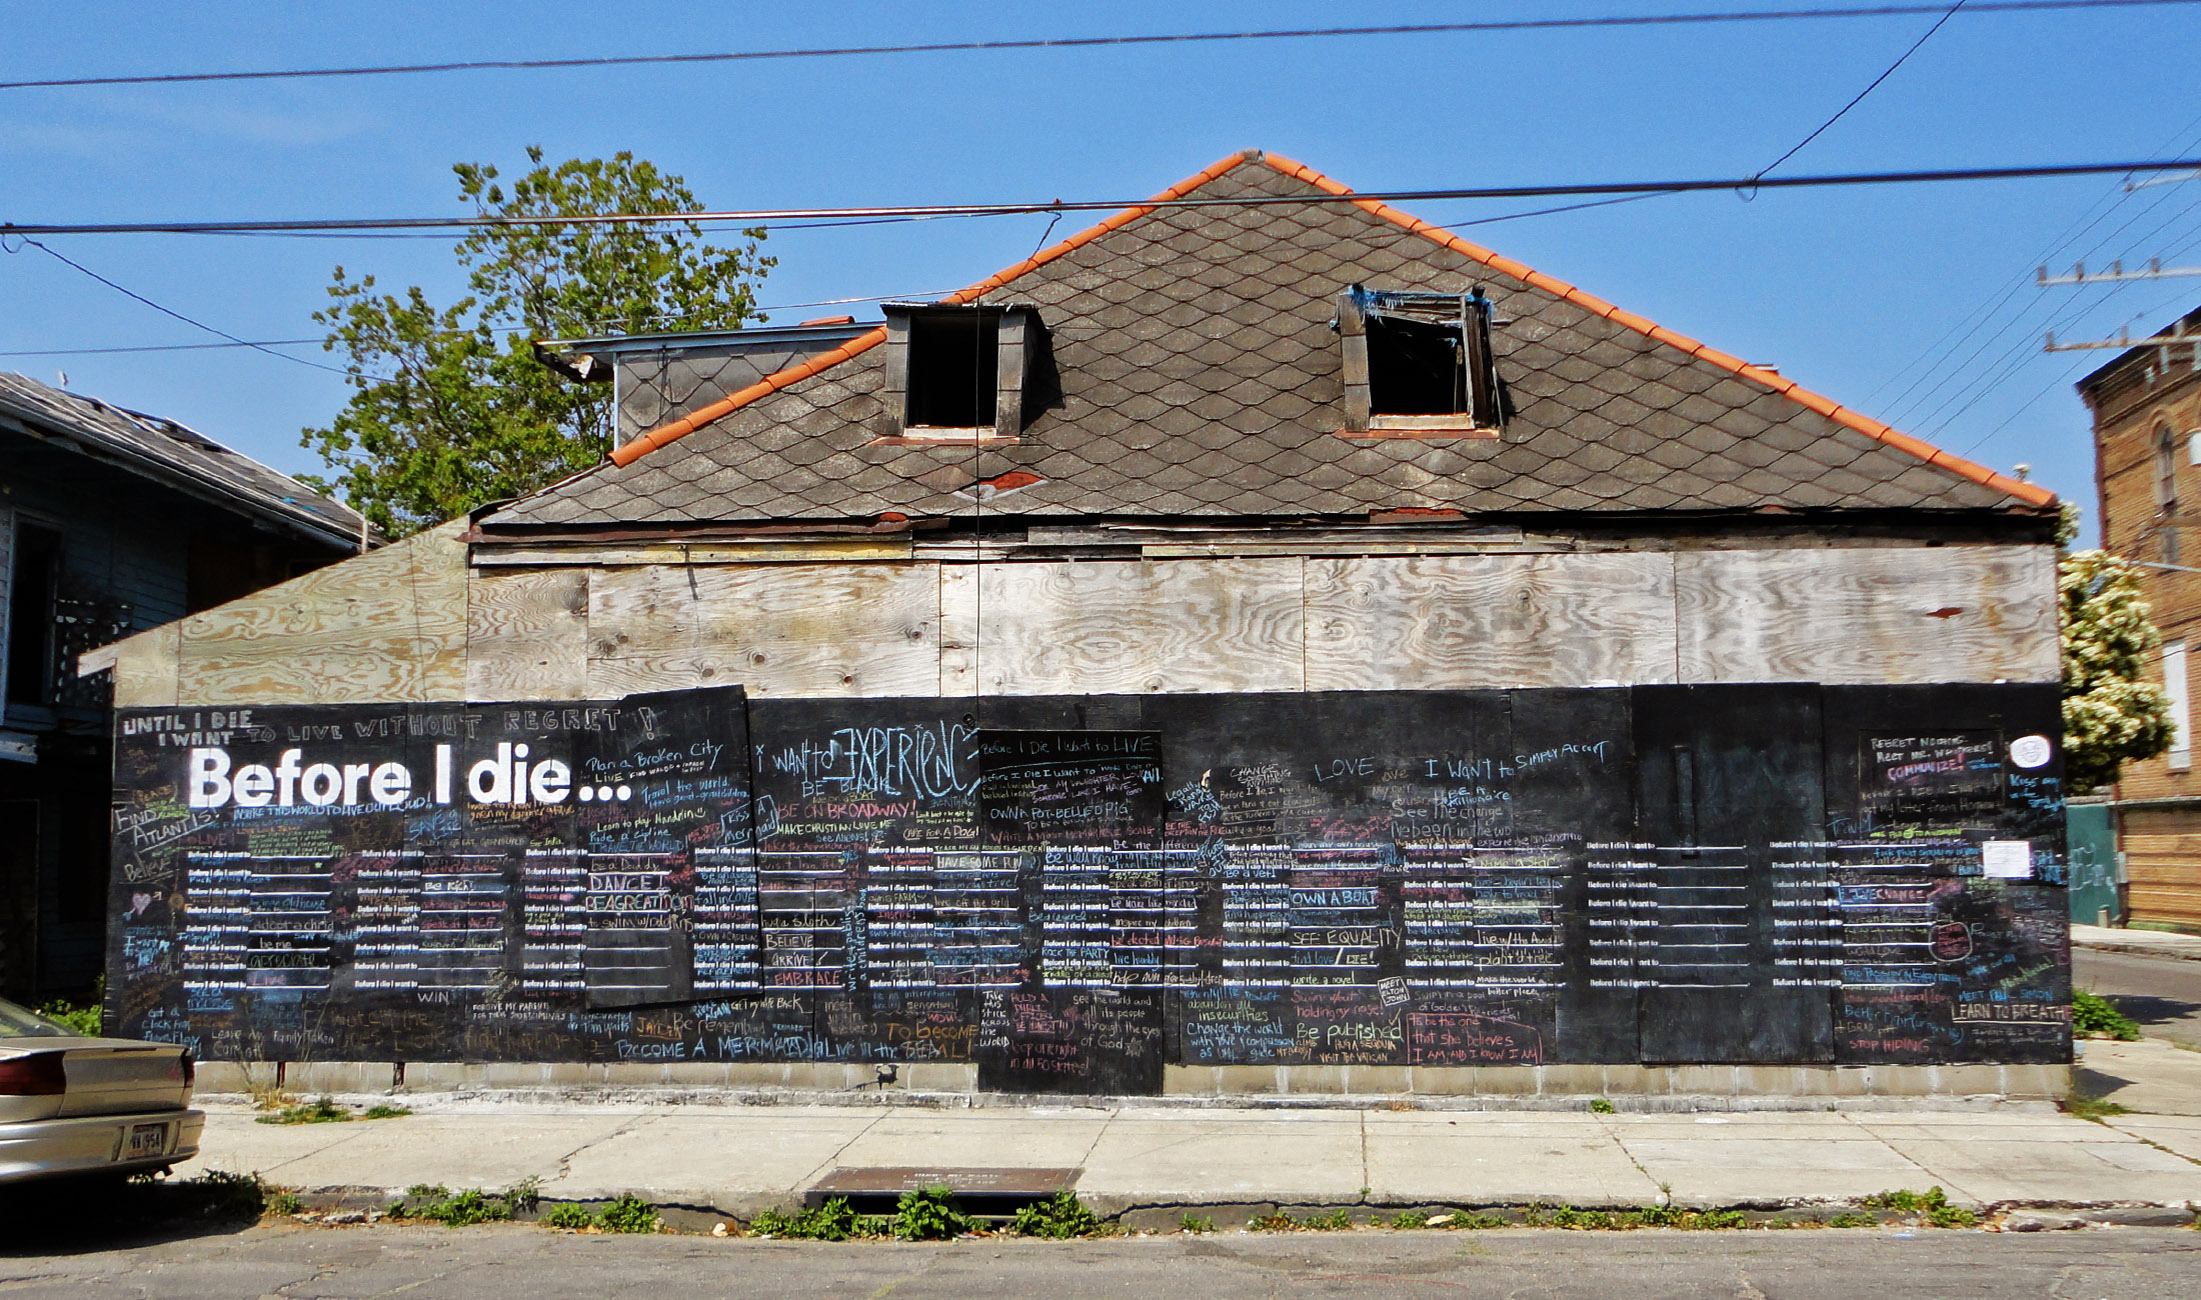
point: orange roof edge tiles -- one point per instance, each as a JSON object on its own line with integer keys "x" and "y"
{"x": 2030, "y": 493}
{"x": 643, "y": 445}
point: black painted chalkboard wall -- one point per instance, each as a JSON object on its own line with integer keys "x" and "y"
{"x": 1072, "y": 893}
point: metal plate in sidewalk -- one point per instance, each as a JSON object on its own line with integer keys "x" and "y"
{"x": 974, "y": 1185}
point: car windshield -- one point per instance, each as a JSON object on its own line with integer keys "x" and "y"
{"x": 22, "y": 1022}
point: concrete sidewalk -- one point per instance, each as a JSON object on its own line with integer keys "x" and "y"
{"x": 736, "y": 1160}
{"x": 2148, "y": 943}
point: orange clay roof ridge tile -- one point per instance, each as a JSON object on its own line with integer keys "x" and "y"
{"x": 644, "y": 444}
{"x": 2030, "y": 493}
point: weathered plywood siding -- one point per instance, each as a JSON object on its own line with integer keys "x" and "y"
{"x": 386, "y": 626}
{"x": 1473, "y": 621}
{"x": 2162, "y": 848}
{"x": 412, "y": 622}
{"x": 1108, "y": 627}
{"x": 527, "y": 634}
{"x": 808, "y": 630}
{"x": 1866, "y": 615}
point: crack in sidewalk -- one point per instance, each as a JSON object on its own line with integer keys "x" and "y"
{"x": 565, "y": 1162}
{"x": 834, "y": 1161}
{"x": 1665, "y": 1193}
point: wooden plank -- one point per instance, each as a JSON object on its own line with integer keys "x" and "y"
{"x": 2165, "y": 907}
{"x": 1126, "y": 626}
{"x": 145, "y": 668}
{"x": 527, "y": 634}
{"x": 896, "y": 547}
{"x": 804, "y": 630}
{"x": 1868, "y": 616}
{"x": 1486, "y": 621}
{"x": 388, "y": 626}
{"x": 2163, "y": 845}
{"x": 2161, "y": 874}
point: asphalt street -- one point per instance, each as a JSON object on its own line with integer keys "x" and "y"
{"x": 529, "y": 1263}
{"x": 2162, "y": 993}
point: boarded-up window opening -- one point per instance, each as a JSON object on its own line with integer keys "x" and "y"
{"x": 1413, "y": 360}
{"x": 957, "y": 372}
{"x": 952, "y": 366}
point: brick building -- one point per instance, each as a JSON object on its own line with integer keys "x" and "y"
{"x": 2147, "y": 457}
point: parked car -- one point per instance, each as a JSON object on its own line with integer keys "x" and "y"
{"x": 75, "y": 1105}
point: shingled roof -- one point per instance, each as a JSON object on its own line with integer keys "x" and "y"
{"x": 180, "y": 457}
{"x": 1201, "y": 378}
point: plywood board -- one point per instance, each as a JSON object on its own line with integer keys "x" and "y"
{"x": 388, "y": 626}
{"x": 1866, "y": 616}
{"x": 1461, "y": 622}
{"x": 1105, "y": 627}
{"x": 778, "y": 629}
{"x": 527, "y": 634}
{"x": 145, "y": 668}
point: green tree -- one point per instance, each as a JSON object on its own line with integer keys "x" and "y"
{"x": 2111, "y": 716}
{"x": 450, "y": 405}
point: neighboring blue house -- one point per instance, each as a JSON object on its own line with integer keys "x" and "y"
{"x": 110, "y": 522}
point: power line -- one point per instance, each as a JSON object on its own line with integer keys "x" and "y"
{"x": 1844, "y": 110}
{"x": 1093, "y": 42}
{"x": 769, "y": 216}
{"x": 262, "y": 344}
{"x": 168, "y": 311}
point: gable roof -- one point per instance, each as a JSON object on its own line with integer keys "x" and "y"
{"x": 1200, "y": 377}
{"x": 181, "y": 458}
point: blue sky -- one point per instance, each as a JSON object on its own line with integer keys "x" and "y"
{"x": 1865, "y": 295}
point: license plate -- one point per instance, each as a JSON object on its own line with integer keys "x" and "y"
{"x": 142, "y": 1140}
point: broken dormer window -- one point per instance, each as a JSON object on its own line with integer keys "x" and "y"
{"x": 957, "y": 373}
{"x": 1418, "y": 364}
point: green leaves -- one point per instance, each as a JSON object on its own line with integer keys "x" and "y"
{"x": 450, "y": 406}
{"x": 2110, "y": 715}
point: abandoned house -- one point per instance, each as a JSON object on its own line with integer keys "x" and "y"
{"x": 110, "y": 522}
{"x": 1261, "y": 643}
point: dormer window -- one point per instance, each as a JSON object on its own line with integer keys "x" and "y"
{"x": 1418, "y": 365}
{"x": 957, "y": 373}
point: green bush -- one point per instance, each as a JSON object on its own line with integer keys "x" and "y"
{"x": 929, "y": 1214}
{"x": 567, "y": 1215}
{"x": 1601, "y": 1107}
{"x": 628, "y": 1214}
{"x": 1058, "y": 1218}
{"x": 2091, "y": 1014}
{"x": 82, "y": 1021}
{"x": 836, "y": 1220}
{"x": 283, "y": 1203}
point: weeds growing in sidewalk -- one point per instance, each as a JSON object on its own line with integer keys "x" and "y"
{"x": 283, "y": 1203}
{"x": 1933, "y": 1203}
{"x": 629, "y": 1214}
{"x": 321, "y": 1110}
{"x": 929, "y": 1214}
{"x": 2087, "y": 1106}
{"x": 2093, "y": 1014}
{"x": 566, "y": 1214}
{"x": 1600, "y": 1106}
{"x": 383, "y": 1110}
{"x": 436, "y": 1203}
{"x": 1058, "y": 1218}
{"x": 836, "y": 1220}
{"x": 1195, "y": 1223}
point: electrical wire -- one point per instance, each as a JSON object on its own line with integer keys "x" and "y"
{"x": 1093, "y": 42}
{"x": 768, "y": 216}
{"x": 169, "y": 311}
{"x": 1844, "y": 110}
